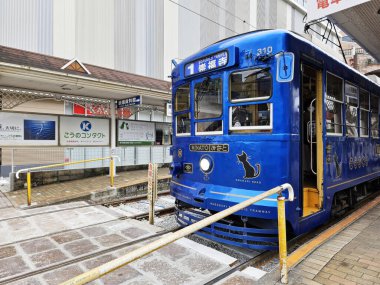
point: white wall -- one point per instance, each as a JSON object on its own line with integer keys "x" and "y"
{"x": 137, "y": 36}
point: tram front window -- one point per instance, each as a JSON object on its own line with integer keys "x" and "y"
{"x": 208, "y": 98}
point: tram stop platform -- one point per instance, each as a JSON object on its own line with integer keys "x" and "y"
{"x": 348, "y": 253}
{"x": 96, "y": 188}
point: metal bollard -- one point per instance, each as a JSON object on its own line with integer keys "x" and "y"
{"x": 29, "y": 185}
{"x": 283, "y": 251}
{"x": 112, "y": 172}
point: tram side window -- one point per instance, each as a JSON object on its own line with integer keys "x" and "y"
{"x": 334, "y": 104}
{"x": 364, "y": 112}
{"x": 182, "y": 103}
{"x": 251, "y": 118}
{"x": 374, "y": 116}
{"x": 351, "y": 93}
{"x": 248, "y": 85}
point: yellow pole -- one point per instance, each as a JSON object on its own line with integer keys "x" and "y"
{"x": 283, "y": 252}
{"x": 111, "y": 172}
{"x": 29, "y": 183}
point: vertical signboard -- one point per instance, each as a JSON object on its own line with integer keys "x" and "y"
{"x": 20, "y": 129}
{"x": 84, "y": 131}
{"x": 136, "y": 133}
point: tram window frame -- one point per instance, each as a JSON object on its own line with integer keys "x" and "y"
{"x": 176, "y": 124}
{"x": 356, "y": 126}
{"x": 176, "y": 96}
{"x": 365, "y": 111}
{"x": 210, "y": 132}
{"x": 251, "y": 99}
{"x": 335, "y": 101}
{"x": 255, "y": 128}
{"x": 196, "y": 114}
{"x": 374, "y": 116}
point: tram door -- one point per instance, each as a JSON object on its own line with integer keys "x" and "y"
{"x": 311, "y": 140}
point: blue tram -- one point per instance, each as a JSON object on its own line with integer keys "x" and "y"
{"x": 264, "y": 108}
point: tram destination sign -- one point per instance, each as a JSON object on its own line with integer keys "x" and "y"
{"x": 208, "y": 63}
{"x": 209, "y": 148}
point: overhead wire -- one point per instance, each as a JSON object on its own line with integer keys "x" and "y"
{"x": 232, "y": 14}
{"x": 200, "y": 15}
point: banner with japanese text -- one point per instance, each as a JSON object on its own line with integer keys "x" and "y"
{"x": 317, "y": 9}
{"x": 136, "y": 133}
{"x": 20, "y": 129}
{"x": 84, "y": 131}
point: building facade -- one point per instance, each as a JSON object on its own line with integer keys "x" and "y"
{"x": 138, "y": 36}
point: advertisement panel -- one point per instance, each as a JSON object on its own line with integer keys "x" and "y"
{"x": 135, "y": 133}
{"x": 84, "y": 131}
{"x": 20, "y": 129}
{"x": 317, "y": 9}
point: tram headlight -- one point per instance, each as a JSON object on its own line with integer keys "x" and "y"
{"x": 205, "y": 164}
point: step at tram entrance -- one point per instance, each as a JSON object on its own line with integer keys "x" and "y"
{"x": 311, "y": 140}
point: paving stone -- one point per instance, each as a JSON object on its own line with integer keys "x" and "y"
{"x": 134, "y": 232}
{"x": 164, "y": 272}
{"x": 111, "y": 240}
{"x": 67, "y": 237}
{"x": 7, "y": 251}
{"x": 141, "y": 281}
{"x": 125, "y": 273}
{"x": 12, "y": 266}
{"x": 200, "y": 264}
{"x": 62, "y": 274}
{"x": 174, "y": 251}
{"x": 48, "y": 257}
{"x": 341, "y": 280}
{"x": 97, "y": 261}
{"x": 238, "y": 280}
{"x": 325, "y": 281}
{"x": 28, "y": 281}
{"x": 358, "y": 280}
{"x": 37, "y": 245}
{"x": 94, "y": 231}
{"x": 80, "y": 247}
{"x": 18, "y": 224}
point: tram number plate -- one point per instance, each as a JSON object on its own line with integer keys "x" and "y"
{"x": 209, "y": 147}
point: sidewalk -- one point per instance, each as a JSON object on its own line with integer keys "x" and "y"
{"x": 351, "y": 257}
{"x": 81, "y": 189}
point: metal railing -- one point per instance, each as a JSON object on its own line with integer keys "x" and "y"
{"x": 14, "y": 159}
{"x": 29, "y": 172}
{"x": 172, "y": 237}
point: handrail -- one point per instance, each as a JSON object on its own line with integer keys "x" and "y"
{"x": 29, "y": 179}
{"x": 172, "y": 237}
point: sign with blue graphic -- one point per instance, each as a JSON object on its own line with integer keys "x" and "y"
{"x": 79, "y": 131}
{"x": 285, "y": 66}
{"x": 207, "y": 63}
{"x": 85, "y": 126}
{"x": 136, "y": 100}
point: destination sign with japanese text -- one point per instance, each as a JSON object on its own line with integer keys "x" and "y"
{"x": 207, "y": 63}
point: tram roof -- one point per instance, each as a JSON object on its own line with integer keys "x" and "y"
{"x": 265, "y": 33}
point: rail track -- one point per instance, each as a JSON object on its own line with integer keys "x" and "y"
{"x": 90, "y": 204}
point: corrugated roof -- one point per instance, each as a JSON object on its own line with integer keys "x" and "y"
{"x": 36, "y": 60}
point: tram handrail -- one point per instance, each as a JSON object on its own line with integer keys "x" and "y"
{"x": 172, "y": 237}
{"x": 30, "y": 169}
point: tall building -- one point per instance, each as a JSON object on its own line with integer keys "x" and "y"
{"x": 138, "y": 36}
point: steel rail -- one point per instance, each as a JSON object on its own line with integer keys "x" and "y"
{"x": 170, "y": 238}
